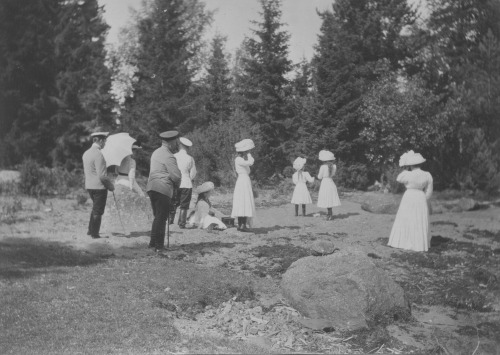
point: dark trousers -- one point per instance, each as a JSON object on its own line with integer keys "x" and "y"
{"x": 184, "y": 198}
{"x": 161, "y": 205}
{"x": 99, "y": 198}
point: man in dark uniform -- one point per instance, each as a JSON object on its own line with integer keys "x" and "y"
{"x": 97, "y": 182}
{"x": 164, "y": 178}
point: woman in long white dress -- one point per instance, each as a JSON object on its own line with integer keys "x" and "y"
{"x": 128, "y": 210}
{"x": 410, "y": 230}
{"x": 301, "y": 194}
{"x": 243, "y": 201}
{"x": 204, "y": 216}
{"x": 328, "y": 196}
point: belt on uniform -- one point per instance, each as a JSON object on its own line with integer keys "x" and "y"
{"x": 122, "y": 174}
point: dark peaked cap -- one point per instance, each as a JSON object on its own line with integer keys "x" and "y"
{"x": 169, "y": 135}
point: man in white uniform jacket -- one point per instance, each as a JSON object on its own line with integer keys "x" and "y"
{"x": 186, "y": 165}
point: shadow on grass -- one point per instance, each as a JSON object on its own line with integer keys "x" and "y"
{"x": 20, "y": 258}
{"x": 203, "y": 245}
{"x": 133, "y": 234}
{"x": 344, "y": 216}
{"x": 265, "y": 230}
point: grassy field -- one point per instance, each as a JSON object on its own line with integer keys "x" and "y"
{"x": 55, "y": 300}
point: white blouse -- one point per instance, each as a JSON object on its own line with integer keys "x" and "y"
{"x": 323, "y": 171}
{"x": 242, "y": 166}
{"x": 302, "y": 177}
{"x": 417, "y": 179}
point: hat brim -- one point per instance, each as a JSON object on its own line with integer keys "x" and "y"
{"x": 415, "y": 161}
{"x": 244, "y": 145}
{"x": 186, "y": 142}
{"x": 100, "y": 134}
{"x": 169, "y": 135}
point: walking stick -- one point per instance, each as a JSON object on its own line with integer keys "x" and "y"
{"x": 168, "y": 233}
{"x": 119, "y": 215}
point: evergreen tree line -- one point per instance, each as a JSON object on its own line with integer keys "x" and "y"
{"x": 54, "y": 84}
{"x": 383, "y": 80}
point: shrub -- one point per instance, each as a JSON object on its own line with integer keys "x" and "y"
{"x": 288, "y": 171}
{"x": 10, "y": 208}
{"x": 213, "y": 148}
{"x": 36, "y": 180}
{"x": 390, "y": 175}
{"x": 352, "y": 176}
{"x": 32, "y": 178}
{"x": 9, "y": 188}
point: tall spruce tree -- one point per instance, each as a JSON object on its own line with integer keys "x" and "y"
{"x": 264, "y": 83}
{"x": 463, "y": 53}
{"x": 218, "y": 82}
{"x": 169, "y": 40}
{"x": 83, "y": 80}
{"x": 465, "y": 39}
{"x": 359, "y": 41}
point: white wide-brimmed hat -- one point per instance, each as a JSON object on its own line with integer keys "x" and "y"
{"x": 299, "y": 163}
{"x": 414, "y": 158}
{"x": 99, "y": 134}
{"x": 205, "y": 187}
{"x": 185, "y": 141}
{"x": 244, "y": 145}
{"x": 325, "y": 155}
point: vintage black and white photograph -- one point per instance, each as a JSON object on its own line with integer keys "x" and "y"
{"x": 250, "y": 177}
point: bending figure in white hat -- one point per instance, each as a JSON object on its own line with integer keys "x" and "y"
{"x": 243, "y": 202}
{"x": 204, "y": 216}
{"x": 411, "y": 227}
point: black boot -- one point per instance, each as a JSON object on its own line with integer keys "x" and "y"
{"x": 329, "y": 217}
{"x": 240, "y": 222}
{"x": 243, "y": 224}
{"x": 171, "y": 217}
{"x": 303, "y": 210}
{"x": 182, "y": 218}
{"x": 96, "y": 226}
{"x": 296, "y": 210}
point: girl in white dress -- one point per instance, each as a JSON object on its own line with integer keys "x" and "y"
{"x": 301, "y": 194}
{"x": 243, "y": 201}
{"x": 411, "y": 226}
{"x": 328, "y": 196}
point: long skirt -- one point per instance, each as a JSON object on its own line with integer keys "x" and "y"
{"x": 410, "y": 230}
{"x": 130, "y": 214}
{"x": 301, "y": 194}
{"x": 328, "y": 196}
{"x": 206, "y": 221}
{"x": 243, "y": 202}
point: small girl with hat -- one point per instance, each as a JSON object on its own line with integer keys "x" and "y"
{"x": 301, "y": 195}
{"x": 328, "y": 196}
{"x": 243, "y": 201}
{"x": 203, "y": 216}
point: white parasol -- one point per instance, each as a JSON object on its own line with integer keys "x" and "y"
{"x": 117, "y": 147}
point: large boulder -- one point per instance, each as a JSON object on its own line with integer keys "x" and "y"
{"x": 380, "y": 203}
{"x": 345, "y": 288}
